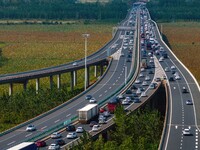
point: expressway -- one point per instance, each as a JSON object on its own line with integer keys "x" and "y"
{"x": 115, "y": 78}
{"x": 180, "y": 115}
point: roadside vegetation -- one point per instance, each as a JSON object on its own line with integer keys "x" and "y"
{"x": 140, "y": 130}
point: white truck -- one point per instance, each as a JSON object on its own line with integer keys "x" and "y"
{"x": 87, "y": 113}
{"x": 24, "y": 146}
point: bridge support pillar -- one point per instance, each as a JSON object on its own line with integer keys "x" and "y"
{"x": 25, "y": 85}
{"x": 59, "y": 81}
{"x": 95, "y": 71}
{"x": 101, "y": 70}
{"x": 88, "y": 77}
{"x": 72, "y": 80}
{"x": 75, "y": 77}
{"x": 10, "y": 89}
{"x": 37, "y": 85}
{"x": 51, "y": 82}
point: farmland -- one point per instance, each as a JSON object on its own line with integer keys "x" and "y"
{"x": 184, "y": 41}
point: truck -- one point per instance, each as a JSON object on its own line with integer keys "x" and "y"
{"x": 144, "y": 63}
{"x": 24, "y": 146}
{"x": 112, "y": 104}
{"x": 88, "y": 112}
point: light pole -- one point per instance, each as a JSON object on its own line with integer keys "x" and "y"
{"x": 125, "y": 73}
{"x": 85, "y": 37}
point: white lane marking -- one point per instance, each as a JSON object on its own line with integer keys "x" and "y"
{"x": 113, "y": 83}
{"x": 196, "y": 140}
{"x": 174, "y": 88}
{"x": 105, "y": 91}
{"x": 43, "y": 127}
{"x": 56, "y": 121}
{"x": 119, "y": 77}
{"x": 28, "y": 134}
{"x": 68, "y": 115}
{"x": 100, "y": 95}
{"x": 8, "y": 138}
{"x": 116, "y": 80}
{"x": 176, "y": 127}
{"x": 11, "y": 143}
{"x": 110, "y": 87}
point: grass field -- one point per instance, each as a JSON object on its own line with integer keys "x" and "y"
{"x": 184, "y": 38}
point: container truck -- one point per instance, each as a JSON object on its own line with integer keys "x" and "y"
{"x": 112, "y": 104}
{"x": 88, "y": 112}
{"x": 25, "y": 146}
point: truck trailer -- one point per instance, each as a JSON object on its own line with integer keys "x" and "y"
{"x": 88, "y": 112}
{"x": 24, "y": 146}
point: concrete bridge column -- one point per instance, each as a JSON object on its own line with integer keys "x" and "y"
{"x": 10, "y": 89}
{"x": 51, "y": 82}
{"x": 101, "y": 69}
{"x": 72, "y": 80}
{"x": 88, "y": 77}
{"x": 95, "y": 71}
{"x": 37, "y": 85}
{"x": 75, "y": 77}
{"x": 25, "y": 85}
{"x": 59, "y": 81}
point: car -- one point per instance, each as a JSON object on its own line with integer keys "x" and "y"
{"x": 144, "y": 83}
{"x": 101, "y": 116}
{"x": 128, "y": 91}
{"x": 184, "y": 90}
{"x": 147, "y": 78}
{"x": 141, "y": 75}
{"x": 70, "y": 127}
{"x": 152, "y": 86}
{"x": 92, "y": 123}
{"x": 157, "y": 79}
{"x": 79, "y": 130}
{"x": 92, "y": 100}
{"x": 142, "y": 69}
{"x": 41, "y": 143}
{"x": 54, "y": 146}
{"x": 134, "y": 94}
{"x": 102, "y": 120}
{"x": 122, "y": 54}
{"x": 143, "y": 94}
{"x": 173, "y": 67}
{"x": 106, "y": 113}
{"x": 171, "y": 78}
{"x": 136, "y": 100}
{"x": 151, "y": 61}
{"x": 71, "y": 135}
{"x": 88, "y": 97}
{"x": 96, "y": 128}
{"x": 75, "y": 63}
{"x": 167, "y": 69}
{"x": 120, "y": 96}
{"x": 125, "y": 102}
{"x": 188, "y": 102}
{"x": 186, "y": 132}
{"x": 173, "y": 72}
{"x": 138, "y": 91}
{"x": 128, "y": 60}
{"x": 30, "y": 128}
{"x": 177, "y": 77}
{"x": 161, "y": 59}
{"x": 60, "y": 142}
{"x": 137, "y": 81}
{"x": 151, "y": 72}
{"x": 133, "y": 87}
{"x": 55, "y": 135}
{"x": 101, "y": 110}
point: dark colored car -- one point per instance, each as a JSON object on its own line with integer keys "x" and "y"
{"x": 60, "y": 142}
{"x": 171, "y": 79}
{"x": 133, "y": 87}
{"x": 150, "y": 72}
{"x": 128, "y": 60}
{"x": 70, "y": 128}
{"x": 41, "y": 143}
{"x": 184, "y": 90}
{"x": 128, "y": 91}
{"x": 92, "y": 123}
{"x": 88, "y": 97}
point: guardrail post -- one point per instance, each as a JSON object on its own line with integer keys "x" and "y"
{"x": 25, "y": 85}
{"x": 75, "y": 77}
{"x": 51, "y": 82}
{"x": 58, "y": 81}
{"x": 37, "y": 85}
{"x": 72, "y": 80}
{"x": 10, "y": 89}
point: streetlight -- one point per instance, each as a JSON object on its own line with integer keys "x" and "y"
{"x": 125, "y": 74}
{"x": 85, "y": 37}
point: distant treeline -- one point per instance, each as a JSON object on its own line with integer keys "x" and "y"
{"x": 172, "y": 10}
{"x": 62, "y": 9}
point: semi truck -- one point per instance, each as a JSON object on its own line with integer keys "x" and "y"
{"x": 88, "y": 112}
{"x": 24, "y": 146}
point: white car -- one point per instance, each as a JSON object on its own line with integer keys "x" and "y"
{"x": 96, "y": 128}
{"x": 125, "y": 102}
{"x": 55, "y": 135}
{"x": 106, "y": 113}
{"x": 142, "y": 69}
{"x": 54, "y": 146}
{"x": 137, "y": 81}
{"x": 122, "y": 54}
{"x": 141, "y": 75}
{"x": 167, "y": 69}
{"x": 30, "y": 128}
{"x": 138, "y": 91}
{"x": 143, "y": 94}
{"x": 79, "y": 129}
{"x": 152, "y": 86}
{"x": 75, "y": 64}
{"x": 177, "y": 77}
{"x": 120, "y": 96}
{"x": 147, "y": 78}
{"x": 161, "y": 59}
{"x": 186, "y": 131}
{"x": 92, "y": 100}
{"x": 71, "y": 135}
{"x": 144, "y": 83}
{"x": 173, "y": 67}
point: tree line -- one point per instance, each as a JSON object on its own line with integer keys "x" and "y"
{"x": 173, "y": 10}
{"x": 139, "y": 131}
{"x": 63, "y": 9}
